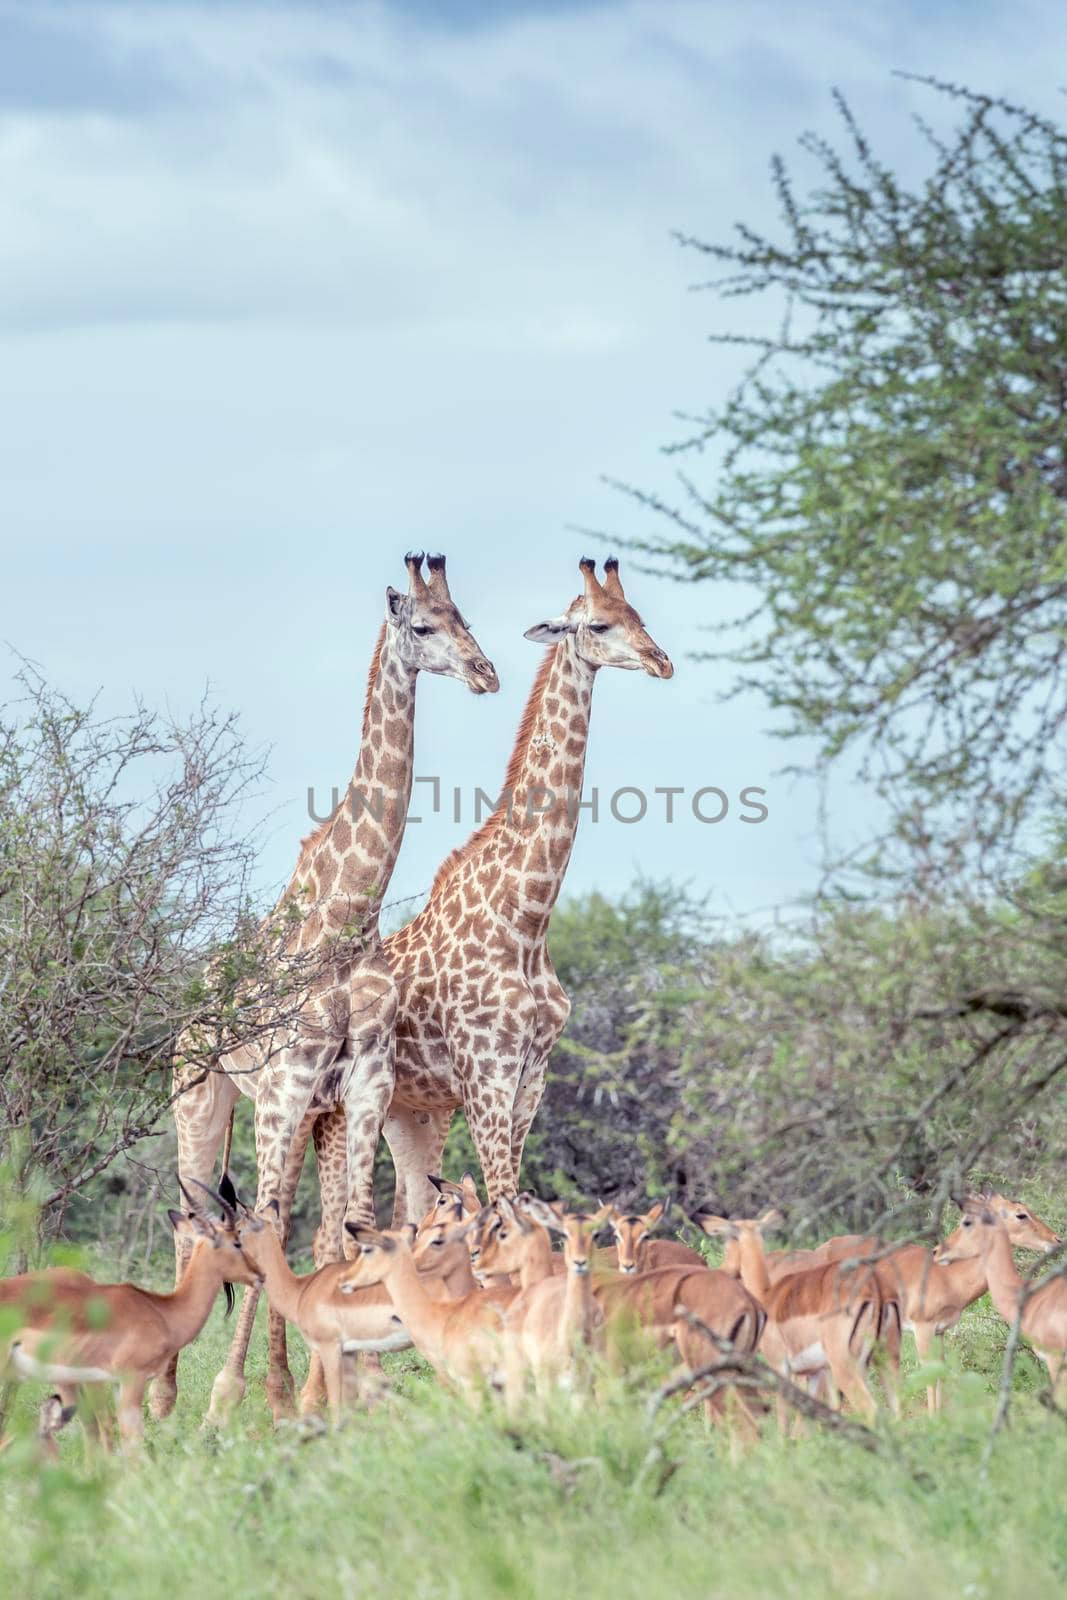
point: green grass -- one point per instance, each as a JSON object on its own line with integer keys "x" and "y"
{"x": 424, "y": 1498}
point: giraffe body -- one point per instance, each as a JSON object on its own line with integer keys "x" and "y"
{"x": 480, "y": 1006}
{"x": 336, "y": 1062}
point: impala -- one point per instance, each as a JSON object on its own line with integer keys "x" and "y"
{"x": 461, "y": 1339}
{"x": 823, "y": 1321}
{"x": 671, "y": 1303}
{"x": 336, "y": 1316}
{"x": 553, "y": 1317}
{"x": 982, "y": 1237}
{"x": 932, "y": 1295}
{"x": 70, "y": 1331}
{"x": 637, "y": 1251}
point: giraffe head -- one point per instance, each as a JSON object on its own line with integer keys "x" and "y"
{"x": 429, "y": 631}
{"x": 607, "y": 631}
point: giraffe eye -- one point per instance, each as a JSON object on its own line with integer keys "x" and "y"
{"x": 421, "y": 631}
{"x": 599, "y": 627}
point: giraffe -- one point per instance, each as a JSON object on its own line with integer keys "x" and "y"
{"x": 339, "y": 1057}
{"x": 480, "y": 1004}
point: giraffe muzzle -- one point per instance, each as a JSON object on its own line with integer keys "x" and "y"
{"x": 482, "y": 678}
{"x": 659, "y": 665}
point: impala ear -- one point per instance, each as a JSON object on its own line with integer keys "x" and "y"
{"x": 199, "y": 1227}
{"x": 368, "y": 1238}
{"x": 716, "y": 1227}
{"x": 548, "y": 1215}
{"x": 460, "y": 1230}
{"x": 770, "y": 1220}
{"x": 657, "y": 1212}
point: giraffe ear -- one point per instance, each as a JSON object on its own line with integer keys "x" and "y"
{"x": 396, "y": 605}
{"x": 551, "y": 632}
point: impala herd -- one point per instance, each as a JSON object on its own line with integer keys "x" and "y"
{"x": 498, "y": 1311}
{"x": 461, "y": 1009}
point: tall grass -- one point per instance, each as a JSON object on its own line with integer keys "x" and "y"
{"x": 425, "y": 1498}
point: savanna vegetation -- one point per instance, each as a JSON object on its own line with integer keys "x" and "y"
{"x": 888, "y": 489}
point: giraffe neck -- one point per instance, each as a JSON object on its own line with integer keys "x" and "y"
{"x": 346, "y": 866}
{"x": 530, "y": 835}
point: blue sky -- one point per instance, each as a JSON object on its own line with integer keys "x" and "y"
{"x": 290, "y": 288}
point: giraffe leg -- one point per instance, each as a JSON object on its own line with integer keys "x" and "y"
{"x": 416, "y": 1140}
{"x": 347, "y": 1145}
{"x": 279, "y": 1383}
{"x": 330, "y": 1138}
{"x": 527, "y": 1099}
{"x": 282, "y": 1103}
{"x": 553, "y": 1009}
{"x": 369, "y": 1089}
{"x": 488, "y": 1108}
{"x": 201, "y": 1115}
{"x": 365, "y": 1106}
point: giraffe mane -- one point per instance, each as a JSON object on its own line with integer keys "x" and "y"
{"x": 452, "y": 862}
{"x": 312, "y": 840}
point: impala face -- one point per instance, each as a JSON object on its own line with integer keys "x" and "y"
{"x": 982, "y": 1216}
{"x": 449, "y": 1195}
{"x": 606, "y": 630}
{"x": 431, "y": 635}
{"x": 498, "y": 1240}
{"x": 576, "y": 1228}
{"x": 972, "y": 1238}
{"x": 377, "y": 1250}
{"x": 1025, "y": 1231}
{"x": 631, "y": 1233}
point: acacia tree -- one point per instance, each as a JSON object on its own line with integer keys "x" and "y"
{"x": 889, "y": 480}
{"x": 892, "y": 475}
{"x": 125, "y": 922}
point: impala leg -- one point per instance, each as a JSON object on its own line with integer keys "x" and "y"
{"x": 201, "y": 1115}
{"x": 98, "y": 1419}
{"x": 53, "y": 1415}
{"x": 889, "y": 1365}
{"x": 131, "y": 1411}
{"x": 333, "y": 1375}
{"x": 924, "y": 1338}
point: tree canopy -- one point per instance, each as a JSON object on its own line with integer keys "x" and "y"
{"x": 890, "y": 476}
